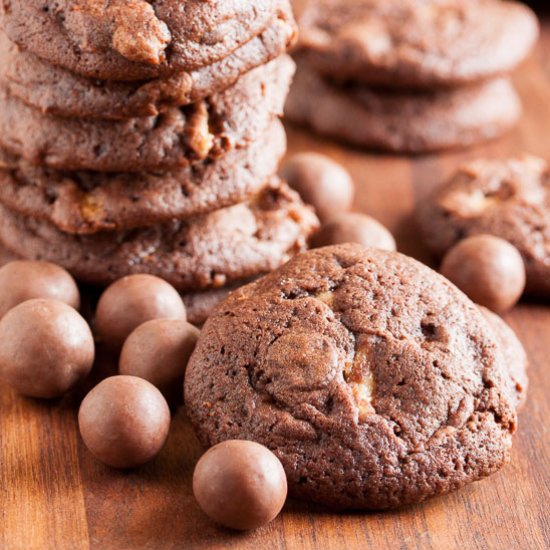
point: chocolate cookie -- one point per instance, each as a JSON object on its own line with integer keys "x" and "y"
{"x": 408, "y": 43}
{"x": 87, "y": 202}
{"x": 371, "y": 377}
{"x": 402, "y": 122}
{"x": 137, "y": 39}
{"x": 175, "y": 138}
{"x": 207, "y": 251}
{"x": 514, "y": 354}
{"x": 508, "y": 198}
{"x": 59, "y": 92}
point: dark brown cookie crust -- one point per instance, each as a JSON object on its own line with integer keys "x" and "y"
{"x": 176, "y": 138}
{"x": 204, "y": 252}
{"x": 507, "y": 198}
{"x": 399, "y": 121}
{"x": 514, "y": 355}
{"x": 406, "y": 43}
{"x": 374, "y": 380}
{"x": 57, "y": 91}
{"x": 137, "y": 39}
{"x": 88, "y": 202}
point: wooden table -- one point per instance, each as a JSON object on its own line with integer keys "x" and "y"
{"x": 53, "y": 494}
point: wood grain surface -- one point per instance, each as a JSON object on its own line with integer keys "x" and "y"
{"x": 54, "y": 495}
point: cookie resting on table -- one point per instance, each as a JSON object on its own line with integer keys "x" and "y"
{"x": 372, "y": 378}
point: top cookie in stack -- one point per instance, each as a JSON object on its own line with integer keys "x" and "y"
{"x": 144, "y": 137}
{"x": 409, "y": 75}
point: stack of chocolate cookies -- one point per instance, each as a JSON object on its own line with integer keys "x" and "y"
{"x": 407, "y": 75}
{"x": 140, "y": 137}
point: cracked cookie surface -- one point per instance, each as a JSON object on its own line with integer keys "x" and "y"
{"x": 136, "y": 39}
{"x": 208, "y": 251}
{"x": 408, "y": 43}
{"x": 374, "y": 380}
{"x": 508, "y": 198}
{"x": 176, "y": 138}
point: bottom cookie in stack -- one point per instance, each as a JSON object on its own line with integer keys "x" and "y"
{"x": 202, "y": 252}
{"x": 402, "y": 121}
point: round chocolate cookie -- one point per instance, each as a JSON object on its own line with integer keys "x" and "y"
{"x": 137, "y": 39}
{"x": 371, "y": 377}
{"x": 507, "y": 198}
{"x": 407, "y": 43}
{"x": 514, "y": 354}
{"x": 59, "y": 92}
{"x": 87, "y": 202}
{"x": 175, "y": 138}
{"x": 402, "y": 121}
{"x": 206, "y": 251}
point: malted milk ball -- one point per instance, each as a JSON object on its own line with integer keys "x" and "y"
{"x": 132, "y": 301}
{"x": 124, "y": 421}
{"x": 353, "y": 227}
{"x": 46, "y": 348}
{"x": 240, "y": 484}
{"x": 489, "y": 270}
{"x": 159, "y": 351}
{"x": 23, "y": 280}
{"x": 321, "y": 182}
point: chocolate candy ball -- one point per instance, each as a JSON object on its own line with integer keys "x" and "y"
{"x": 46, "y": 348}
{"x": 488, "y": 269}
{"x": 159, "y": 351}
{"x": 124, "y": 421}
{"x": 130, "y": 302}
{"x": 321, "y": 182}
{"x": 240, "y": 484}
{"x": 355, "y": 228}
{"x": 21, "y": 280}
